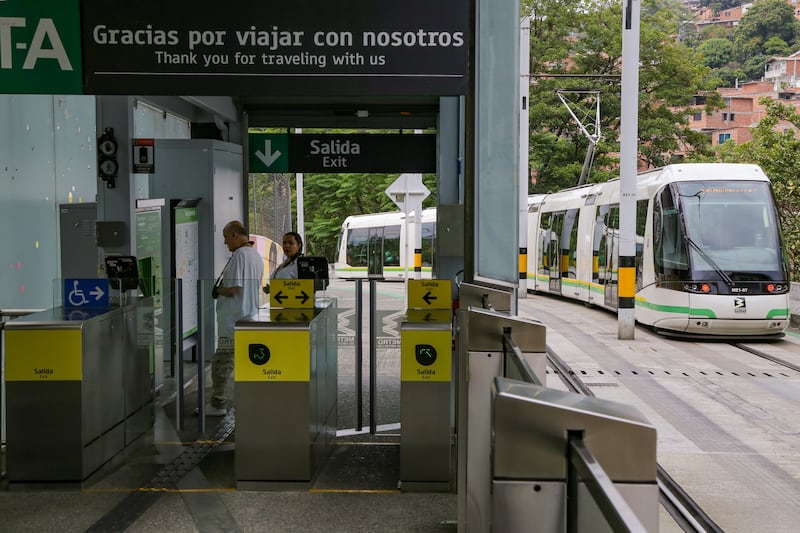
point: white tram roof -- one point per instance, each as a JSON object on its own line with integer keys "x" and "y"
{"x": 389, "y": 218}
{"x": 648, "y": 183}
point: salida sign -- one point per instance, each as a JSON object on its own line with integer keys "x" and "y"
{"x": 342, "y": 153}
{"x": 40, "y": 50}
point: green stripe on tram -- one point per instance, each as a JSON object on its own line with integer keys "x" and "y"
{"x": 678, "y": 309}
{"x": 778, "y": 313}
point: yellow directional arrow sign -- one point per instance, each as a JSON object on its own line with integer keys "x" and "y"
{"x": 291, "y": 293}
{"x": 429, "y": 294}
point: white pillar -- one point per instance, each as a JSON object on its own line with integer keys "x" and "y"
{"x": 628, "y": 168}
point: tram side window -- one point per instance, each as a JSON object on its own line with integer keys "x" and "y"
{"x": 571, "y": 219}
{"x": 599, "y": 245}
{"x": 428, "y": 243}
{"x": 391, "y": 245}
{"x": 357, "y": 247}
{"x": 544, "y": 244}
{"x": 669, "y": 246}
{"x": 554, "y": 252}
{"x": 641, "y": 222}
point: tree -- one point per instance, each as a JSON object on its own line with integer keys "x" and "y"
{"x": 719, "y": 5}
{"x": 330, "y": 198}
{"x": 774, "y": 148}
{"x": 716, "y": 52}
{"x": 578, "y": 45}
{"x": 775, "y": 46}
{"x": 765, "y": 19}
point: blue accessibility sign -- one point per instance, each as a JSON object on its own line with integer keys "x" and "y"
{"x": 88, "y": 293}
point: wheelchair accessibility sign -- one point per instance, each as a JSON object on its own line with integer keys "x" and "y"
{"x": 88, "y": 293}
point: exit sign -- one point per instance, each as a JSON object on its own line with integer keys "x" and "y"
{"x": 336, "y": 153}
{"x": 40, "y": 47}
{"x": 269, "y": 152}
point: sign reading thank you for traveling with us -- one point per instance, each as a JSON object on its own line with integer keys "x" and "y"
{"x": 302, "y": 47}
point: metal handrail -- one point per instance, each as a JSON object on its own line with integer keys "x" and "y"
{"x": 16, "y": 313}
{"x": 583, "y": 466}
{"x": 513, "y": 354}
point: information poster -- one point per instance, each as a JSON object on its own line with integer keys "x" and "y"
{"x": 187, "y": 264}
{"x": 148, "y": 252}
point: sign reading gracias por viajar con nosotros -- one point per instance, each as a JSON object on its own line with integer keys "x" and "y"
{"x": 298, "y": 47}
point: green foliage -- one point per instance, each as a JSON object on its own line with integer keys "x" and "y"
{"x": 764, "y": 20}
{"x": 585, "y": 38}
{"x": 719, "y": 5}
{"x": 716, "y": 52}
{"x": 775, "y": 149}
{"x": 330, "y": 198}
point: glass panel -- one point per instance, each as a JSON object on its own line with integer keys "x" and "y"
{"x": 641, "y": 221}
{"x": 668, "y": 242}
{"x": 428, "y": 243}
{"x": 357, "y": 247}
{"x": 47, "y": 149}
{"x": 375, "y": 252}
{"x": 391, "y": 246}
{"x": 599, "y": 245}
{"x": 544, "y": 245}
{"x": 571, "y": 236}
{"x": 735, "y": 225}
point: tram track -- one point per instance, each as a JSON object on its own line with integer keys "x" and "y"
{"x": 768, "y": 357}
{"x": 686, "y": 513}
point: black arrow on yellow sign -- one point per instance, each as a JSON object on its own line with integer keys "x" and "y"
{"x": 280, "y": 297}
{"x": 428, "y": 297}
{"x": 303, "y": 298}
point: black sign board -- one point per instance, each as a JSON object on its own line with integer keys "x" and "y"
{"x": 383, "y": 153}
{"x": 297, "y": 47}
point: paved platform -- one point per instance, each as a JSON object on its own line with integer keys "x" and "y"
{"x": 730, "y": 439}
{"x": 355, "y": 491}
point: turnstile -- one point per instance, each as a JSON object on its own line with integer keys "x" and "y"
{"x": 530, "y": 427}
{"x": 426, "y": 407}
{"x": 427, "y": 414}
{"x": 286, "y": 390}
{"x": 78, "y": 390}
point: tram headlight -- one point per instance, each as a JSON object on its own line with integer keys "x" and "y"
{"x": 698, "y": 288}
{"x": 777, "y": 288}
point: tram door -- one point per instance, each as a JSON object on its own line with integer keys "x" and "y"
{"x": 553, "y": 224}
{"x": 569, "y": 243}
{"x": 375, "y": 252}
{"x": 607, "y": 246}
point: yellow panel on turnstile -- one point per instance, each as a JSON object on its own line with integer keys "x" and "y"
{"x": 277, "y": 355}
{"x": 429, "y": 294}
{"x": 425, "y": 355}
{"x": 43, "y": 355}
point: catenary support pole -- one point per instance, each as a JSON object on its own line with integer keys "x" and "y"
{"x": 629, "y": 119}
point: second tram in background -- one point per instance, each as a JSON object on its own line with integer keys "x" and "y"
{"x": 377, "y": 245}
{"x": 709, "y": 256}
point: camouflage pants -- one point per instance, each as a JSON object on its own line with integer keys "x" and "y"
{"x": 221, "y": 374}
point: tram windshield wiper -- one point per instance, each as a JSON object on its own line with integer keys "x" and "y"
{"x": 707, "y": 259}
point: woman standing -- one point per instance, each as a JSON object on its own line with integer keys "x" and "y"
{"x": 292, "y": 249}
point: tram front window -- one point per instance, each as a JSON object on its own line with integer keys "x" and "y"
{"x": 732, "y": 227}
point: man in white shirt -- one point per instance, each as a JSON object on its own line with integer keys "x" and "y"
{"x": 237, "y": 294}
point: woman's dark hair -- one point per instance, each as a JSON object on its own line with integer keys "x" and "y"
{"x": 297, "y": 238}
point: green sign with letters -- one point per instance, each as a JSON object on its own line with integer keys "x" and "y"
{"x": 341, "y": 152}
{"x": 40, "y": 47}
{"x": 269, "y": 152}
